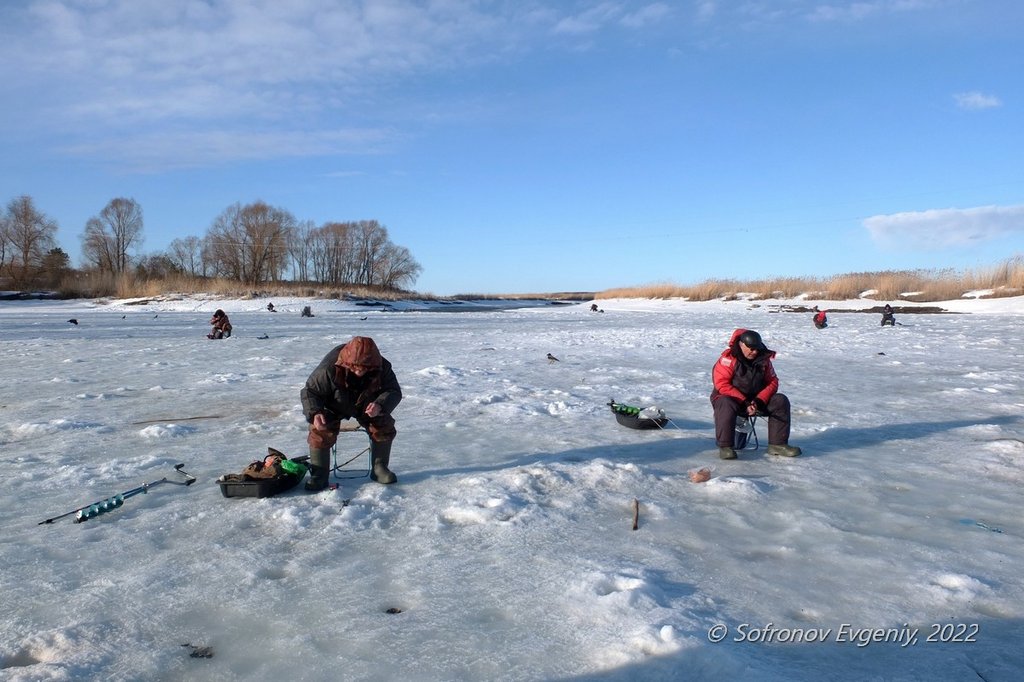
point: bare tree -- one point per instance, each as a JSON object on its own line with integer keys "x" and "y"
{"x": 157, "y": 267}
{"x": 320, "y": 264}
{"x": 29, "y": 234}
{"x": 5, "y": 243}
{"x": 187, "y": 254}
{"x": 97, "y": 248}
{"x": 249, "y": 243}
{"x": 300, "y": 249}
{"x": 333, "y": 253}
{"x": 224, "y": 244}
{"x": 110, "y": 236}
{"x": 396, "y": 267}
{"x": 356, "y": 253}
{"x": 369, "y": 240}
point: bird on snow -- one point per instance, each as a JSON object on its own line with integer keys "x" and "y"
{"x": 552, "y": 358}
{"x": 73, "y": 321}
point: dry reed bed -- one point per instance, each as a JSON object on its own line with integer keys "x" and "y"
{"x": 127, "y": 286}
{"x": 1005, "y": 279}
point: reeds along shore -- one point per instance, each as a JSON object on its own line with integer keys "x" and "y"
{"x": 130, "y": 286}
{"x": 1005, "y": 279}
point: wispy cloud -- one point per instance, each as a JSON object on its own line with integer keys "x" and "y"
{"x": 948, "y": 227}
{"x": 96, "y": 73}
{"x": 705, "y": 10}
{"x": 646, "y": 15}
{"x": 976, "y": 100}
{"x": 345, "y": 174}
{"x": 851, "y": 12}
{"x": 161, "y": 151}
{"x": 93, "y": 73}
{"x": 590, "y": 20}
{"x": 863, "y": 9}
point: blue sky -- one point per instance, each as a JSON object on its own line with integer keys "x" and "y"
{"x": 537, "y": 146}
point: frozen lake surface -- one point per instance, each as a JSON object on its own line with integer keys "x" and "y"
{"x": 507, "y": 543}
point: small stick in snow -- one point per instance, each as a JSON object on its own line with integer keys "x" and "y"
{"x": 636, "y": 513}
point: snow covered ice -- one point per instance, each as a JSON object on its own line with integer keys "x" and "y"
{"x": 507, "y": 543}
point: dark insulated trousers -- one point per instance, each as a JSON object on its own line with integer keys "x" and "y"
{"x": 727, "y": 409}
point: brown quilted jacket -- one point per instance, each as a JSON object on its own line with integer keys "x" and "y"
{"x": 336, "y": 392}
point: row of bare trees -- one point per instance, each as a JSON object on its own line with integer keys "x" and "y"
{"x": 352, "y": 252}
{"x": 259, "y": 243}
{"x": 252, "y": 244}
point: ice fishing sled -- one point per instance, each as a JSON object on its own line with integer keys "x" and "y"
{"x": 638, "y": 418}
{"x": 267, "y": 477}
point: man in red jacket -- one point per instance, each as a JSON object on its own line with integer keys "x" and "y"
{"x": 746, "y": 385}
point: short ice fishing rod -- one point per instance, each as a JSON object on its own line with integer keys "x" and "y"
{"x": 111, "y": 503}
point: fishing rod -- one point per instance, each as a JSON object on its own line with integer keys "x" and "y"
{"x": 111, "y": 503}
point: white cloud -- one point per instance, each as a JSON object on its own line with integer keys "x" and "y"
{"x": 88, "y": 65}
{"x": 948, "y": 227}
{"x": 976, "y": 100}
{"x": 706, "y": 10}
{"x": 858, "y": 11}
{"x": 345, "y": 174}
{"x": 88, "y": 70}
{"x": 95, "y": 54}
{"x": 853, "y": 12}
{"x": 161, "y": 151}
{"x": 590, "y": 20}
{"x": 646, "y": 15}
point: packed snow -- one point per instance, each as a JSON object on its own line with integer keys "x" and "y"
{"x": 890, "y": 550}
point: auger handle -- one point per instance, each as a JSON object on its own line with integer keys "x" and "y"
{"x": 189, "y": 478}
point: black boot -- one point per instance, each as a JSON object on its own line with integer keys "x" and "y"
{"x": 380, "y": 455}
{"x": 319, "y": 468}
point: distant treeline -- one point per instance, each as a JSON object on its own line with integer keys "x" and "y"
{"x": 252, "y": 245}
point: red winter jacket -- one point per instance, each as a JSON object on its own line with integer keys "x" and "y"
{"x": 742, "y": 379}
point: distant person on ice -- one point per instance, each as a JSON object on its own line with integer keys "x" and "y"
{"x": 887, "y": 317}
{"x": 221, "y": 326}
{"x": 353, "y": 380}
{"x": 745, "y": 384}
{"x": 820, "y": 319}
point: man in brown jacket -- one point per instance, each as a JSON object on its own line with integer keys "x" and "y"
{"x": 221, "y": 326}
{"x": 352, "y": 381}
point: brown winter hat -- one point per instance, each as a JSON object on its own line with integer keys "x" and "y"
{"x": 361, "y": 351}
